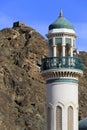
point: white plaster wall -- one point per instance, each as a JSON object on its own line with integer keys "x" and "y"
{"x": 63, "y": 92}
{"x": 75, "y": 118}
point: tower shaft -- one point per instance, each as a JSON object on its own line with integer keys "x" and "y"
{"x": 61, "y": 70}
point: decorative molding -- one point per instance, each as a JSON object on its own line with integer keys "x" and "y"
{"x": 62, "y": 80}
{"x": 51, "y": 35}
{"x": 62, "y": 73}
{"x": 62, "y": 30}
{"x": 62, "y": 104}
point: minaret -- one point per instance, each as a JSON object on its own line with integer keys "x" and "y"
{"x": 61, "y": 70}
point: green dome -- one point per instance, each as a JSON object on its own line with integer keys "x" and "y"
{"x": 61, "y": 22}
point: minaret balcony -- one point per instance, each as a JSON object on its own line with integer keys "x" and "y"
{"x": 60, "y": 62}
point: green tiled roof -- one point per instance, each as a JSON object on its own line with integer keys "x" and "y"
{"x": 61, "y": 22}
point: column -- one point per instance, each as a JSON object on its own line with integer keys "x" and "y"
{"x": 71, "y": 50}
{"x": 63, "y": 46}
{"x": 63, "y": 50}
{"x": 54, "y": 50}
{"x": 64, "y": 119}
{"x": 75, "y": 125}
{"x": 53, "y": 119}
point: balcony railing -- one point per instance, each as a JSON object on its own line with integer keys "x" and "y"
{"x": 61, "y": 62}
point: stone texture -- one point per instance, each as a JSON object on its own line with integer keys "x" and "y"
{"x": 22, "y": 88}
{"x": 22, "y": 91}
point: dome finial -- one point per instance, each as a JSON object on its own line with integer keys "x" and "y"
{"x": 61, "y": 13}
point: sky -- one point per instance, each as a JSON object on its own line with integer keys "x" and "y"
{"x": 39, "y": 14}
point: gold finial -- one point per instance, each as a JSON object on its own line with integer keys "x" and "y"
{"x": 61, "y": 13}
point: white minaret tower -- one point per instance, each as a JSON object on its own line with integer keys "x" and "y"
{"x": 61, "y": 70}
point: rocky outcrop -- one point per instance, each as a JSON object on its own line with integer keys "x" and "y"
{"x": 83, "y": 88}
{"x": 22, "y": 88}
{"x": 22, "y": 91}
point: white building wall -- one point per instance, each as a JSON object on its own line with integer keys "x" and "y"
{"x": 63, "y": 94}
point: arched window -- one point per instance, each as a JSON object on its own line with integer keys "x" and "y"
{"x": 58, "y": 118}
{"x": 48, "y": 118}
{"x": 70, "y": 118}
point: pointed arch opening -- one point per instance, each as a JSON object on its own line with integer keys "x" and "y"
{"x": 70, "y": 118}
{"x": 58, "y": 118}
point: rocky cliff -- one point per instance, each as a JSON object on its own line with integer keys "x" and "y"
{"x": 22, "y": 88}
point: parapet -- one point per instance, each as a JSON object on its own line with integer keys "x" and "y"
{"x": 18, "y": 24}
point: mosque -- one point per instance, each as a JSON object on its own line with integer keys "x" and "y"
{"x": 61, "y": 70}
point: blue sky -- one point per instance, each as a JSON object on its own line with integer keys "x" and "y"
{"x": 40, "y": 13}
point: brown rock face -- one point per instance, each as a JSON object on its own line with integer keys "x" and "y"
{"x": 22, "y": 91}
{"x": 83, "y": 88}
{"x": 22, "y": 88}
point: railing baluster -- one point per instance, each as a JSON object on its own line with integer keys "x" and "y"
{"x": 61, "y": 62}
